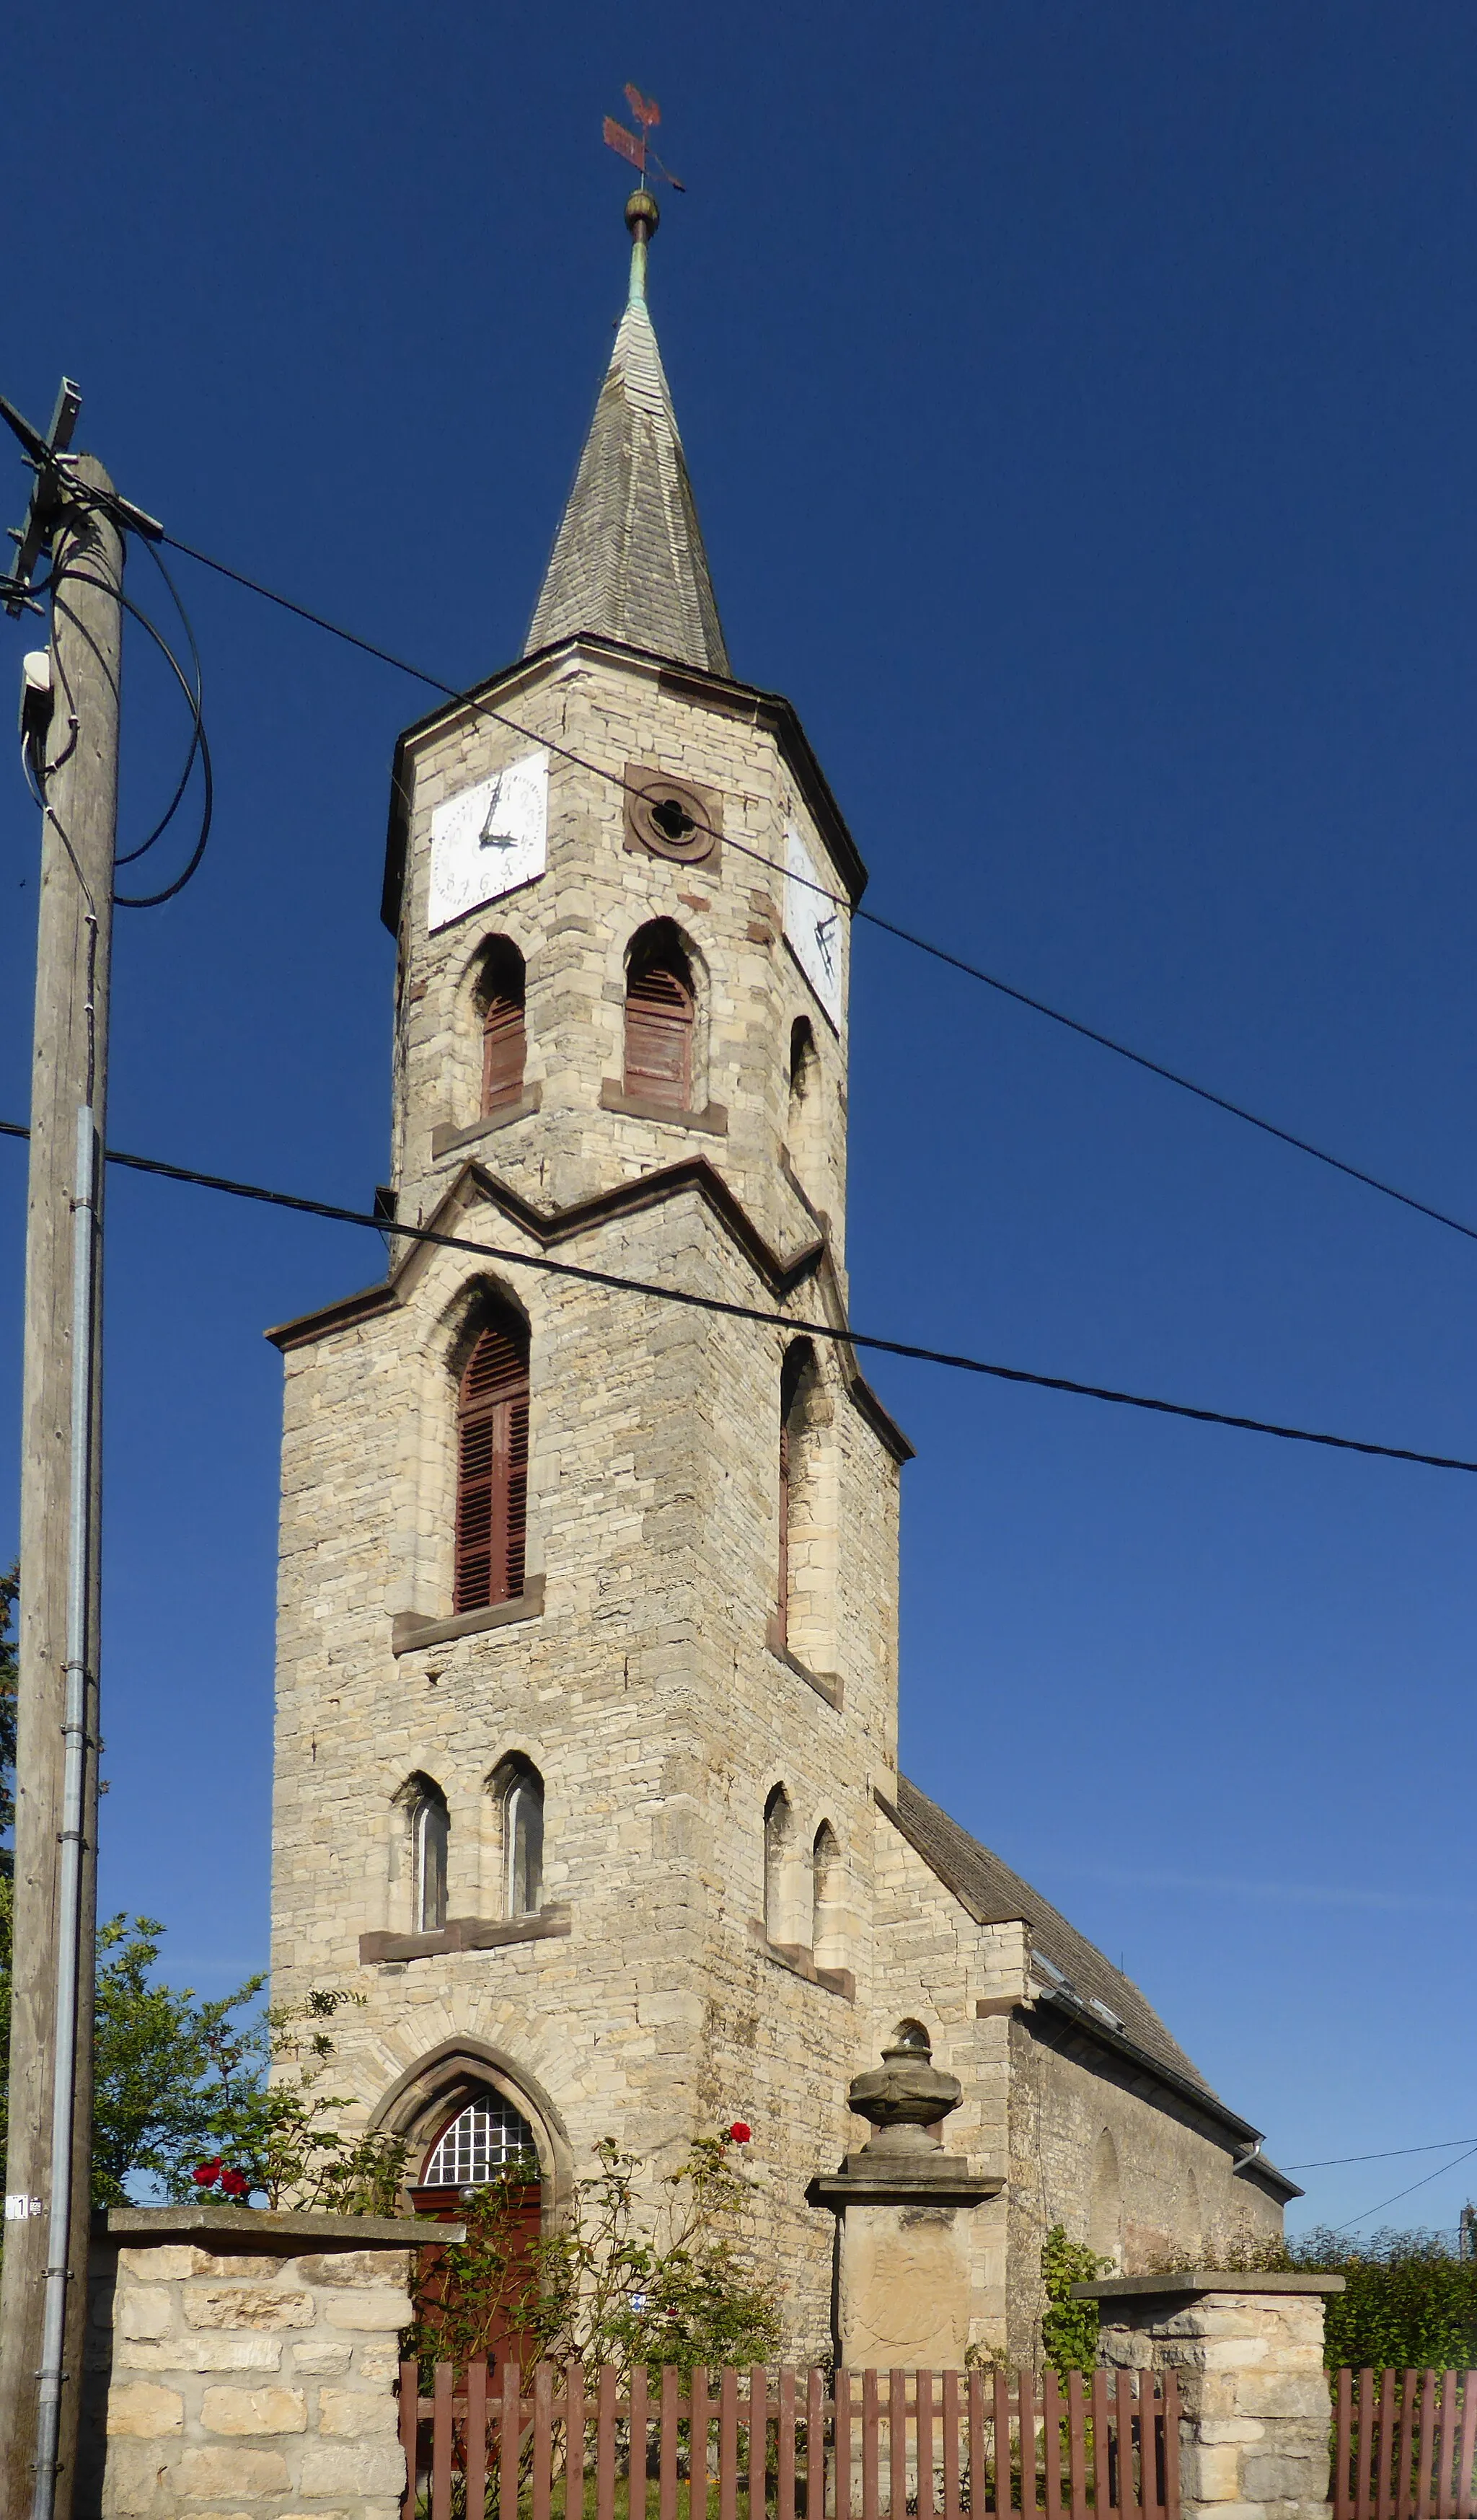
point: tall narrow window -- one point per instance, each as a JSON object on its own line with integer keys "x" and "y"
{"x": 492, "y": 1468}
{"x": 523, "y": 1841}
{"x": 809, "y": 1537}
{"x": 500, "y": 996}
{"x": 778, "y": 1831}
{"x": 660, "y": 1015}
{"x": 827, "y": 1935}
{"x": 430, "y": 1837}
{"x": 805, "y": 1125}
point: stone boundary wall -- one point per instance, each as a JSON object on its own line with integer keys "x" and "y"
{"x": 1248, "y": 2353}
{"x": 244, "y": 2364}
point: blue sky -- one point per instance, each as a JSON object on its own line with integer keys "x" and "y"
{"x": 1080, "y": 402}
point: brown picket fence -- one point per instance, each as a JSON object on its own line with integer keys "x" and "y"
{"x": 1405, "y": 2446}
{"x": 496, "y": 2444}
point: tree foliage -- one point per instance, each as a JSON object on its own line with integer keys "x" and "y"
{"x": 616, "y": 2283}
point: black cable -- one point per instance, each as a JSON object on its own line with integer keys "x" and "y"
{"x": 1338, "y": 2160}
{"x": 198, "y": 743}
{"x": 842, "y": 1336}
{"x": 197, "y": 732}
{"x": 1405, "y": 2191}
{"x": 872, "y": 917}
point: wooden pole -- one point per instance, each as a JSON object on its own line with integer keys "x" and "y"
{"x": 69, "y": 1073}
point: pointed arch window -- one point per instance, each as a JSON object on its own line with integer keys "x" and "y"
{"x": 522, "y": 1838}
{"x": 779, "y": 1829}
{"x": 827, "y": 1932}
{"x": 661, "y": 1010}
{"x": 482, "y": 2142}
{"x": 430, "y": 1846}
{"x": 501, "y": 997}
{"x": 492, "y": 1468}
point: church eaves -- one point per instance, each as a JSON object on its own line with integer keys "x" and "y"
{"x": 628, "y": 560}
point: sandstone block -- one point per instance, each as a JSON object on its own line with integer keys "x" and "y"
{"x": 1301, "y": 2396}
{"x": 145, "y": 2310}
{"x": 359, "y": 2467}
{"x": 132, "y": 2478}
{"x": 246, "y": 2474}
{"x": 372, "y": 2309}
{"x": 159, "y": 2266}
{"x": 1271, "y": 2476}
{"x": 201, "y": 2354}
{"x": 238, "y": 2307}
{"x": 328, "y": 2358}
{"x": 378, "y": 2362}
{"x": 254, "y": 2411}
{"x": 145, "y": 2413}
{"x": 351, "y": 2412}
{"x": 352, "y": 2267}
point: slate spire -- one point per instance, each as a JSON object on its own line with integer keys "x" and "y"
{"x": 628, "y": 560}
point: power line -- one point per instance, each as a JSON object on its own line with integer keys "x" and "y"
{"x": 1405, "y": 2191}
{"x": 872, "y": 918}
{"x": 840, "y": 1337}
{"x": 1338, "y": 2160}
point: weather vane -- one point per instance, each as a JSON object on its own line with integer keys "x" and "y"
{"x": 638, "y": 149}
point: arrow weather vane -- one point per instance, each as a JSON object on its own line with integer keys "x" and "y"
{"x": 638, "y": 149}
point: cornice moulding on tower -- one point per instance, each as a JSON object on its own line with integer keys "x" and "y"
{"x": 769, "y": 711}
{"x": 780, "y": 1276}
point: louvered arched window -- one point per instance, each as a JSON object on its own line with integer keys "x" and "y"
{"x": 504, "y": 1033}
{"x": 492, "y": 1468}
{"x": 659, "y": 1012}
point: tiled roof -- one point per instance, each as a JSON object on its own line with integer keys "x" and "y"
{"x": 628, "y": 560}
{"x": 994, "y": 1895}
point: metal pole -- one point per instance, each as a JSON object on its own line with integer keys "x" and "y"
{"x": 85, "y": 1255}
{"x": 46, "y": 2226}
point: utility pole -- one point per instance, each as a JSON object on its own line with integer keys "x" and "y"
{"x": 75, "y": 751}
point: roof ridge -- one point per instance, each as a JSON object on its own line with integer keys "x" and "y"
{"x": 990, "y": 1891}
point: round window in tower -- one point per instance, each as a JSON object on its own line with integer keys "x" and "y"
{"x": 671, "y": 818}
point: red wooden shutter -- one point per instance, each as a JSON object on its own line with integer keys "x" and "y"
{"x": 659, "y": 1037}
{"x": 492, "y": 1473}
{"x": 503, "y": 1047}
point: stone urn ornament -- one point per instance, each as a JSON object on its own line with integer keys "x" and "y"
{"x": 904, "y": 2098}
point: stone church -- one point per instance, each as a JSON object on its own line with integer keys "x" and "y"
{"x": 587, "y": 1699}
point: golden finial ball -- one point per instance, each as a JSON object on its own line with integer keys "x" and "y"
{"x": 642, "y": 217}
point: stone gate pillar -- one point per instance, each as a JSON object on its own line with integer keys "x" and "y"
{"x": 245, "y": 2358}
{"x": 1248, "y": 2353}
{"x": 905, "y": 2273}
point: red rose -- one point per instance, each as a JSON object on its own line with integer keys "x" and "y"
{"x": 739, "y": 2132}
{"x": 207, "y": 2173}
{"x": 234, "y": 2182}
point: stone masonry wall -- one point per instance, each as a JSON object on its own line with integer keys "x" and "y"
{"x": 259, "y": 2375}
{"x": 1170, "y": 2183}
{"x": 1253, "y": 2390}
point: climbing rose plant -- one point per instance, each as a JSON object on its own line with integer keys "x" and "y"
{"x": 621, "y": 2282}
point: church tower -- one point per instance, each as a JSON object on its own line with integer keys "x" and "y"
{"x": 587, "y": 1690}
{"x": 589, "y": 1600}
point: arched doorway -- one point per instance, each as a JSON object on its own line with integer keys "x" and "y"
{"x": 481, "y": 2141}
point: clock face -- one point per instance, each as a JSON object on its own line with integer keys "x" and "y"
{"x": 814, "y": 925}
{"x": 489, "y": 840}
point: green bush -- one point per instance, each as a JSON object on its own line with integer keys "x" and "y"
{"x": 1068, "y": 2327}
{"x": 1409, "y": 2305}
